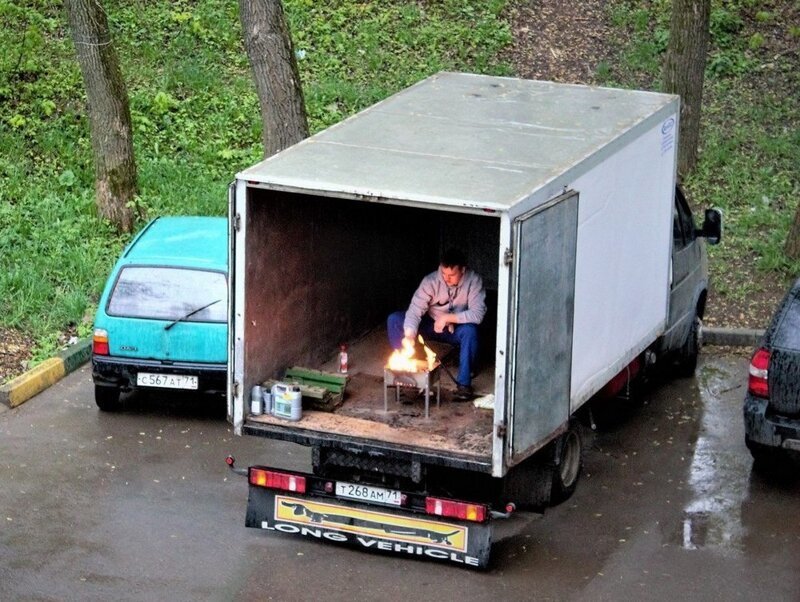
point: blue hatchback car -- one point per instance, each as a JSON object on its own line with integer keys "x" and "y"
{"x": 162, "y": 321}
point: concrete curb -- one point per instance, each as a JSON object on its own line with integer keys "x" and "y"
{"x": 19, "y": 390}
{"x": 733, "y": 337}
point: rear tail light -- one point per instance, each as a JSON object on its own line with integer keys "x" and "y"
{"x": 758, "y": 384}
{"x": 271, "y": 479}
{"x": 100, "y": 342}
{"x": 453, "y": 509}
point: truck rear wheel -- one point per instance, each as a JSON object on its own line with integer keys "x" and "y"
{"x": 568, "y": 461}
{"x": 107, "y": 398}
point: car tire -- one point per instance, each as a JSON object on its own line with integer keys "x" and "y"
{"x": 107, "y": 398}
{"x": 690, "y": 350}
{"x": 765, "y": 456}
{"x": 568, "y": 456}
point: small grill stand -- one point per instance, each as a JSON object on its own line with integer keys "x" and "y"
{"x": 423, "y": 379}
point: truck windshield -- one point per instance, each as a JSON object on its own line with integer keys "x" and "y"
{"x": 162, "y": 293}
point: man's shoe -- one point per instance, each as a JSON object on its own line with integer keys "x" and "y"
{"x": 463, "y": 393}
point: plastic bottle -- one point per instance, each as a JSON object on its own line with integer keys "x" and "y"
{"x": 343, "y": 358}
{"x": 256, "y": 400}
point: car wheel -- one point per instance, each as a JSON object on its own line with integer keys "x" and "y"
{"x": 687, "y": 354}
{"x": 107, "y": 398}
{"x": 568, "y": 461}
{"x": 764, "y": 456}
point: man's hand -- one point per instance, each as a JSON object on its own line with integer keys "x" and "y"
{"x": 443, "y": 322}
{"x": 410, "y": 335}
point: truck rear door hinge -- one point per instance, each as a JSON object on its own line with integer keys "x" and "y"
{"x": 500, "y": 430}
{"x": 508, "y": 257}
{"x": 235, "y": 388}
{"x": 237, "y": 222}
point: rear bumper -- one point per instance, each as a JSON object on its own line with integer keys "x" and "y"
{"x": 767, "y": 428}
{"x": 369, "y": 527}
{"x": 121, "y": 372}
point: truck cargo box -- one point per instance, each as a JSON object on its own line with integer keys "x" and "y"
{"x": 560, "y": 195}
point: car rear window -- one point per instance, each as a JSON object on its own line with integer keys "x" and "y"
{"x": 164, "y": 293}
{"x": 787, "y": 336}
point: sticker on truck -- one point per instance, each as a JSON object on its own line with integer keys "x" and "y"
{"x": 356, "y": 526}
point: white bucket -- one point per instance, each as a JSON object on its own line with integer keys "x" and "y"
{"x": 287, "y": 401}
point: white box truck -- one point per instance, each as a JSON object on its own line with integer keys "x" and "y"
{"x": 563, "y": 198}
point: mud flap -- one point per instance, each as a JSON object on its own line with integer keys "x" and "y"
{"x": 382, "y": 529}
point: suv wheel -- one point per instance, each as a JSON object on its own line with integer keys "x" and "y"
{"x": 764, "y": 455}
{"x": 107, "y": 398}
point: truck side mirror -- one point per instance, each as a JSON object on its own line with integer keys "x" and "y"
{"x": 712, "y": 226}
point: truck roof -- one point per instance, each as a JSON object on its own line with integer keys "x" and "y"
{"x": 470, "y": 141}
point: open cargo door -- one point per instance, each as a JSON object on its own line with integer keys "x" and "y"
{"x": 543, "y": 291}
{"x": 231, "y": 298}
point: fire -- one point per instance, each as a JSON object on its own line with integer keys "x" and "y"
{"x": 403, "y": 360}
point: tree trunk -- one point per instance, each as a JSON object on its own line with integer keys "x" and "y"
{"x": 109, "y": 114}
{"x": 684, "y": 69}
{"x": 792, "y": 248}
{"x": 269, "y": 47}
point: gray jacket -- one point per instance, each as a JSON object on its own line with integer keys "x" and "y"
{"x": 467, "y": 300}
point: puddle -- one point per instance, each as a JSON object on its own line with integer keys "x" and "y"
{"x": 719, "y": 474}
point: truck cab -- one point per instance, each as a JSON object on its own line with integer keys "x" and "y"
{"x": 689, "y": 282}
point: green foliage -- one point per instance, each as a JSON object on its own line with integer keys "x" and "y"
{"x": 749, "y": 161}
{"x": 354, "y": 54}
{"x": 195, "y": 116}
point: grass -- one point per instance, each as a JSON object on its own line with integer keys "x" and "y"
{"x": 750, "y": 138}
{"x": 196, "y": 120}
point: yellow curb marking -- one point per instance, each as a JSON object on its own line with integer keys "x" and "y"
{"x": 35, "y": 381}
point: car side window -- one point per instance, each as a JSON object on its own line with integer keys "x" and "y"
{"x": 683, "y": 230}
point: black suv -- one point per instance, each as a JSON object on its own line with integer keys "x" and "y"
{"x": 772, "y": 403}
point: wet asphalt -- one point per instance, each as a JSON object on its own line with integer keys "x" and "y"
{"x": 140, "y": 506}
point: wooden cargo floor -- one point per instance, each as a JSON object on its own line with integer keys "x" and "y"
{"x": 453, "y": 426}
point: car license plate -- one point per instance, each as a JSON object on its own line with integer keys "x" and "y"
{"x": 166, "y": 381}
{"x": 367, "y": 493}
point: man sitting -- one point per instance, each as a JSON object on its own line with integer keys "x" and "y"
{"x": 447, "y": 306}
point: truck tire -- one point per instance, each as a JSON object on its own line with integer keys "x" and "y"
{"x": 529, "y": 485}
{"x": 568, "y": 457}
{"x": 687, "y": 354}
{"x": 107, "y": 398}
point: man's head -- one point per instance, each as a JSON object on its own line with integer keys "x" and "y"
{"x": 452, "y": 266}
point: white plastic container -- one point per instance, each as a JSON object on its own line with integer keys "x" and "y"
{"x": 287, "y": 402}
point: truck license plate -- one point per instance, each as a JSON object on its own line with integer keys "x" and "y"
{"x": 366, "y": 493}
{"x": 166, "y": 381}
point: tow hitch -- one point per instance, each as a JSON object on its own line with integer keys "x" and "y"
{"x": 231, "y": 461}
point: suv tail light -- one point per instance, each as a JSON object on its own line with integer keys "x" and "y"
{"x": 273, "y": 479}
{"x": 758, "y": 384}
{"x": 454, "y": 509}
{"x": 100, "y": 342}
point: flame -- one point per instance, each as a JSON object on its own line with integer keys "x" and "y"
{"x": 430, "y": 356}
{"x": 403, "y": 360}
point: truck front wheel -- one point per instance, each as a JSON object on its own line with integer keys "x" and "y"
{"x": 568, "y": 460}
{"x": 687, "y": 355}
